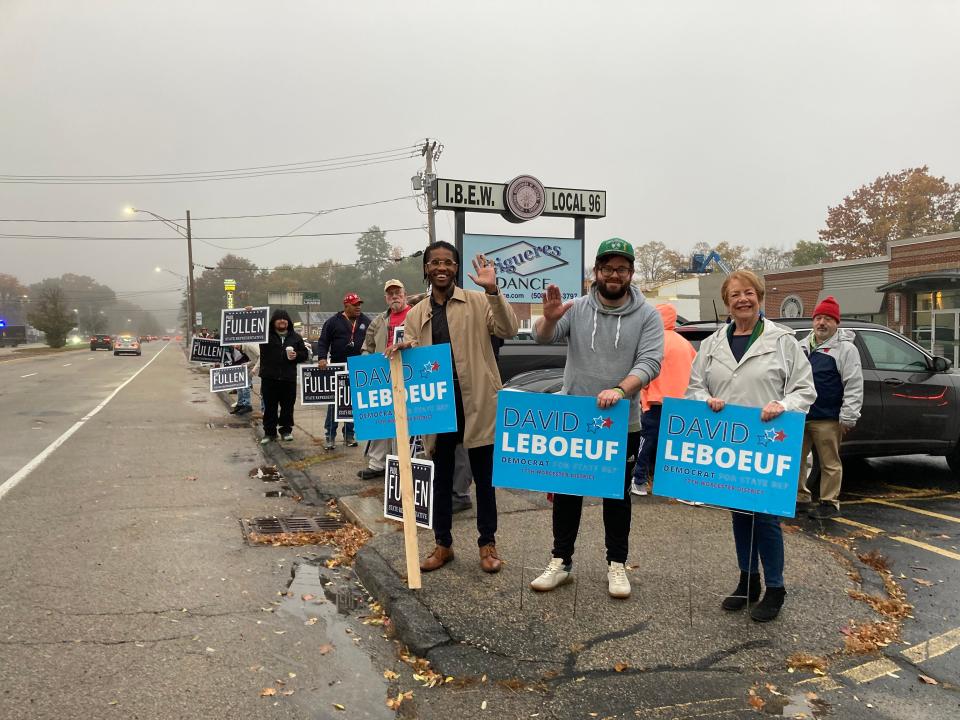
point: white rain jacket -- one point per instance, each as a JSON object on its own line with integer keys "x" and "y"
{"x": 774, "y": 368}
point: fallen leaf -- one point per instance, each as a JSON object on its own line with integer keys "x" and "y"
{"x": 191, "y": 477}
{"x": 268, "y": 692}
{"x": 338, "y": 706}
{"x": 620, "y": 666}
{"x": 927, "y": 680}
{"x": 756, "y": 702}
{"x": 325, "y": 648}
{"x": 279, "y": 632}
{"x": 390, "y": 675}
{"x": 483, "y": 705}
{"x": 311, "y": 621}
{"x": 307, "y": 598}
{"x": 291, "y": 675}
{"x": 288, "y": 693}
{"x": 922, "y": 583}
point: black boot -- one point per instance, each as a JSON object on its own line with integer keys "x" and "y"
{"x": 737, "y": 600}
{"x": 768, "y": 608}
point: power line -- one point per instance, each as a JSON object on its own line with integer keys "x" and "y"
{"x": 159, "y": 180}
{"x": 81, "y": 238}
{"x": 193, "y": 173}
{"x": 218, "y": 217}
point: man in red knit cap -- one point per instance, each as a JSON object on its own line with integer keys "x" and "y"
{"x": 839, "y": 381}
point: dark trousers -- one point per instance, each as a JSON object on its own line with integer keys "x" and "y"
{"x": 277, "y": 394}
{"x": 647, "y": 452}
{"x": 616, "y": 516}
{"x": 481, "y": 464}
{"x": 759, "y": 541}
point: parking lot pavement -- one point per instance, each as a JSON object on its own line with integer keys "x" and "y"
{"x": 907, "y": 511}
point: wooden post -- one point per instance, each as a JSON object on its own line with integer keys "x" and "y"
{"x": 406, "y": 473}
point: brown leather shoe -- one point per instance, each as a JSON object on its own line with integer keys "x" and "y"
{"x": 489, "y": 562}
{"x": 437, "y": 559}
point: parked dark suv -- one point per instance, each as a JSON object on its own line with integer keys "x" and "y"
{"x": 911, "y": 399}
{"x": 98, "y": 342}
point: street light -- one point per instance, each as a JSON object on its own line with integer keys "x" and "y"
{"x": 163, "y": 269}
{"x": 186, "y": 233}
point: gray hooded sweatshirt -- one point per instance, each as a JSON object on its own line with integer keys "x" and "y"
{"x": 607, "y": 344}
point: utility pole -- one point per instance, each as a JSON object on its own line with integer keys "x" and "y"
{"x": 428, "y": 150}
{"x": 192, "y": 304}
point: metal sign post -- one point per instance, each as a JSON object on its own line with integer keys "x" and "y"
{"x": 406, "y": 473}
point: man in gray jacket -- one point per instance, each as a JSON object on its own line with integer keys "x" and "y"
{"x": 615, "y": 341}
{"x": 839, "y": 381}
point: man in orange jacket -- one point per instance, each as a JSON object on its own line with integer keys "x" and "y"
{"x": 674, "y": 377}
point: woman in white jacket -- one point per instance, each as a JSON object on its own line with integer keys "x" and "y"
{"x": 753, "y": 362}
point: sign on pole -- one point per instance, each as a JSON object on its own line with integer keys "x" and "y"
{"x": 343, "y": 407}
{"x": 318, "y": 386}
{"x": 527, "y": 265}
{"x": 411, "y": 550}
{"x": 199, "y": 318}
{"x": 205, "y": 350}
{"x": 523, "y": 198}
{"x": 729, "y": 458}
{"x": 233, "y": 377}
{"x": 428, "y": 389}
{"x": 560, "y": 443}
{"x": 422, "y": 491}
{"x": 244, "y": 326}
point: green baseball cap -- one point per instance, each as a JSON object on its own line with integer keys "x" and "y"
{"x": 615, "y": 246}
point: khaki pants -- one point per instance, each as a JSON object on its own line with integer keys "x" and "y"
{"x": 824, "y": 435}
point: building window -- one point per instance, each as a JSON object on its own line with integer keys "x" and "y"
{"x": 791, "y": 307}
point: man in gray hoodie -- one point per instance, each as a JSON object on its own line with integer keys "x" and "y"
{"x": 615, "y": 341}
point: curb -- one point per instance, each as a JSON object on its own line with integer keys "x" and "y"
{"x": 415, "y": 625}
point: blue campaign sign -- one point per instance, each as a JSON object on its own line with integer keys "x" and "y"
{"x": 560, "y": 443}
{"x": 730, "y": 458}
{"x": 527, "y": 265}
{"x": 428, "y": 381}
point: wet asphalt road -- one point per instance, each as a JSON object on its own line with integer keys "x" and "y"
{"x": 126, "y": 587}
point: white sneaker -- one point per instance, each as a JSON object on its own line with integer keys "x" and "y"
{"x": 641, "y": 489}
{"x": 554, "y": 576}
{"x": 617, "y": 584}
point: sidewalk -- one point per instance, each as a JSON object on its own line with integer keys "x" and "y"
{"x": 681, "y": 565}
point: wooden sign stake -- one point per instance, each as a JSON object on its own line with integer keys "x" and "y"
{"x": 406, "y": 473}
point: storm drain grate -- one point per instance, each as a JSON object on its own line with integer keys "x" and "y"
{"x": 291, "y": 524}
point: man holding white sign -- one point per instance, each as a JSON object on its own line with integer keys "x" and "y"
{"x": 466, "y": 320}
{"x": 278, "y": 375}
{"x": 613, "y": 335}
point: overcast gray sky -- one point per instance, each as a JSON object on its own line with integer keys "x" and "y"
{"x": 713, "y": 121}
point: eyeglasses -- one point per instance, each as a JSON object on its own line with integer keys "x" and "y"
{"x": 607, "y": 271}
{"x": 437, "y": 263}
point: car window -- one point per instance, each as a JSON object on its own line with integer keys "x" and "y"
{"x": 888, "y": 352}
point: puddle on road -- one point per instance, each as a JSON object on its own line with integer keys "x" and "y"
{"x": 797, "y": 705}
{"x": 350, "y": 678}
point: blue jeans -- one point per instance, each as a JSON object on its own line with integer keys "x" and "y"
{"x": 330, "y": 426}
{"x": 649, "y": 435}
{"x": 243, "y": 397}
{"x": 767, "y": 546}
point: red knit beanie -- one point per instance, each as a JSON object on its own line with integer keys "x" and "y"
{"x": 829, "y": 307}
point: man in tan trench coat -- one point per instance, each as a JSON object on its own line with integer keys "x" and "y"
{"x": 465, "y": 319}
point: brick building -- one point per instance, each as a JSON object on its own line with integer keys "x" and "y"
{"x": 914, "y": 288}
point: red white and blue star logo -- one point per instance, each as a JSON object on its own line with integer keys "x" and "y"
{"x": 771, "y": 435}
{"x": 599, "y": 423}
{"x": 429, "y": 367}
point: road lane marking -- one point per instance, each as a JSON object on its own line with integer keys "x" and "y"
{"x": 854, "y": 523}
{"x": 900, "y": 538}
{"x": 15, "y": 479}
{"x": 919, "y": 511}
{"x": 930, "y": 548}
{"x": 871, "y": 670}
{"x": 934, "y": 647}
{"x": 28, "y": 375}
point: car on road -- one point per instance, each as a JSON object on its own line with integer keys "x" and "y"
{"x": 101, "y": 342}
{"x": 126, "y": 345}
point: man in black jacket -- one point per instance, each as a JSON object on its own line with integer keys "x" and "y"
{"x": 278, "y": 375}
{"x": 341, "y": 337}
